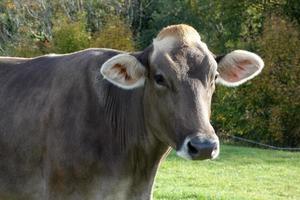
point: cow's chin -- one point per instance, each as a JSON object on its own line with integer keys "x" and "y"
{"x": 183, "y": 154}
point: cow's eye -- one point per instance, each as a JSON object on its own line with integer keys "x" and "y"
{"x": 159, "y": 79}
{"x": 215, "y": 79}
{"x": 216, "y": 76}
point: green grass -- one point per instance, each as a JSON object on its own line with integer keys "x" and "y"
{"x": 239, "y": 173}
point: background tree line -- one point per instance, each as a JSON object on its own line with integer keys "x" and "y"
{"x": 266, "y": 109}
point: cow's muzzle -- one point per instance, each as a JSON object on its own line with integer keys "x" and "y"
{"x": 199, "y": 148}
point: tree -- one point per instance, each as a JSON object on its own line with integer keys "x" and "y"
{"x": 115, "y": 34}
{"x": 267, "y": 108}
{"x": 69, "y": 36}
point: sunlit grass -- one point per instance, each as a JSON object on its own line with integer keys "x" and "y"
{"x": 239, "y": 173}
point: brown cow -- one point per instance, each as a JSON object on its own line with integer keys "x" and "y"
{"x": 68, "y": 131}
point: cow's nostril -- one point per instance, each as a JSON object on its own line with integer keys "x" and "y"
{"x": 215, "y": 146}
{"x": 215, "y": 149}
{"x": 192, "y": 149}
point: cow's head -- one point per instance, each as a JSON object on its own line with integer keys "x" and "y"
{"x": 179, "y": 80}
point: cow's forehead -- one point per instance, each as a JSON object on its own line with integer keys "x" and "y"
{"x": 172, "y": 36}
{"x": 184, "y": 42}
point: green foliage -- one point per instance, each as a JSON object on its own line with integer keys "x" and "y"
{"x": 238, "y": 174}
{"x": 19, "y": 22}
{"x": 21, "y": 49}
{"x": 280, "y": 43}
{"x": 223, "y": 26}
{"x": 69, "y": 36}
{"x": 267, "y": 109}
{"x": 292, "y": 9}
{"x": 115, "y": 34}
{"x": 166, "y": 13}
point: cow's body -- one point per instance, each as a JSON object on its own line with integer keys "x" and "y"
{"x": 69, "y": 132}
{"x": 56, "y": 131}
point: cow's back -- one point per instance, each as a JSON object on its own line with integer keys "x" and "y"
{"x": 37, "y": 97}
{"x": 22, "y": 95}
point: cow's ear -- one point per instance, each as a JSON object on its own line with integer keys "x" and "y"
{"x": 124, "y": 71}
{"x": 237, "y": 67}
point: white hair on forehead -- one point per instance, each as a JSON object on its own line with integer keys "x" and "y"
{"x": 172, "y": 35}
{"x": 162, "y": 46}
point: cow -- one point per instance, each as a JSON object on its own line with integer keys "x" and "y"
{"x": 95, "y": 124}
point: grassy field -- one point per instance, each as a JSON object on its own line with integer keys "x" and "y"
{"x": 239, "y": 173}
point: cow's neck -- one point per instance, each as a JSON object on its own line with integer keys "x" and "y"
{"x": 132, "y": 178}
{"x": 135, "y": 153}
{"x": 124, "y": 115}
{"x": 141, "y": 169}
{"x": 133, "y": 171}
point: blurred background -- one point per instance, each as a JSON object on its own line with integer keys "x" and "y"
{"x": 266, "y": 109}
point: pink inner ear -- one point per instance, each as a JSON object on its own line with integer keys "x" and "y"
{"x": 240, "y": 70}
{"x": 232, "y": 76}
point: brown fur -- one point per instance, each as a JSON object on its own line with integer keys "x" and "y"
{"x": 122, "y": 70}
